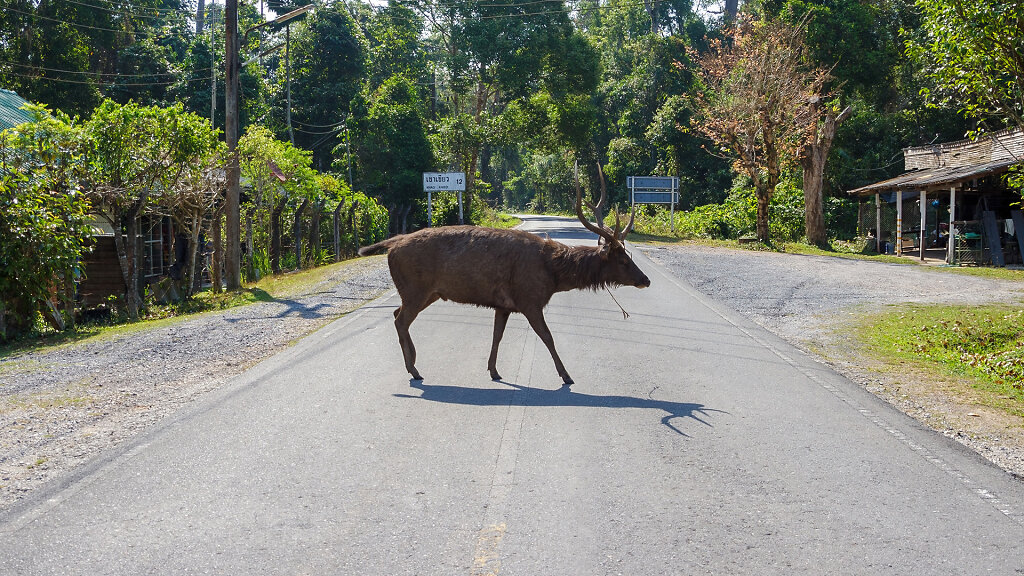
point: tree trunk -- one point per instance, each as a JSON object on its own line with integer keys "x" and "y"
{"x": 731, "y": 10}
{"x": 297, "y": 233}
{"x": 337, "y": 230}
{"x": 275, "y": 237}
{"x": 314, "y": 233}
{"x": 193, "y": 251}
{"x": 813, "y": 157}
{"x": 353, "y": 223}
{"x": 218, "y": 249}
{"x": 200, "y": 8}
{"x": 763, "y": 201}
{"x": 124, "y": 239}
{"x": 814, "y": 209}
{"x": 405, "y": 217}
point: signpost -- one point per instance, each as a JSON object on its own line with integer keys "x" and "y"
{"x": 655, "y": 190}
{"x": 443, "y": 182}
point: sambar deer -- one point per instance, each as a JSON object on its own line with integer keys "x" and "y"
{"x": 507, "y": 270}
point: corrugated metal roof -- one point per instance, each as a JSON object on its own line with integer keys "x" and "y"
{"x": 929, "y": 178}
{"x": 11, "y": 113}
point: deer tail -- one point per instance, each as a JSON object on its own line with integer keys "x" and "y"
{"x": 377, "y": 248}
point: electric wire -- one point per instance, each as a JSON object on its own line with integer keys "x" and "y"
{"x": 107, "y": 83}
{"x": 113, "y": 74}
{"x": 159, "y": 12}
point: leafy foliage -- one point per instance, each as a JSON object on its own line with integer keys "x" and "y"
{"x": 43, "y": 230}
{"x": 972, "y": 50}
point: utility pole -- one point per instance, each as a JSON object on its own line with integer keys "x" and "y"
{"x": 213, "y": 65}
{"x": 232, "y": 68}
{"x": 288, "y": 74}
{"x": 233, "y": 256}
{"x": 200, "y": 8}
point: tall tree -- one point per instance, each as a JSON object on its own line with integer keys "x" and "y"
{"x": 393, "y": 148}
{"x": 328, "y": 62}
{"x": 813, "y": 154}
{"x": 753, "y": 104}
{"x": 974, "y": 51}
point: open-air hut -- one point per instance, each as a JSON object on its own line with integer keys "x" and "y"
{"x": 952, "y": 203}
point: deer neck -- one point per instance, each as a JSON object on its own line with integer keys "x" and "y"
{"x": 578, "y": 268}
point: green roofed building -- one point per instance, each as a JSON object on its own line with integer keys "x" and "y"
{"x": 11, "y": 113}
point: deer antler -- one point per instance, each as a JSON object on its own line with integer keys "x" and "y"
{"x": 599, "y": 230}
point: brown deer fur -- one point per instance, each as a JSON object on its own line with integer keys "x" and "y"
{"x": 508, "y": 270}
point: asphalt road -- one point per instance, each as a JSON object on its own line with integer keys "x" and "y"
{"x": 693, "y": 442}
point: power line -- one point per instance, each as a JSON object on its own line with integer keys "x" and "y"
{"x": 108, "y": 84}
{"x": 156, "y": 12}
{"x": 117, "y": 5}
{"x": 87, "y": 26}
{"x": 114, "y": 74}
{"x": 334, "y": 125}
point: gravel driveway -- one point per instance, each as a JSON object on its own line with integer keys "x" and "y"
{"x": 61, "y": 407}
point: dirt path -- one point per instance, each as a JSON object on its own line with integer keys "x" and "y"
{"x": 808, "y": 299}
{"x": 61, "y": 407}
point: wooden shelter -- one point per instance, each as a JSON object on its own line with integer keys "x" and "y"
{"x": 961, "y": 209}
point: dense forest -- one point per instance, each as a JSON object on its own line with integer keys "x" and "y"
{"x": 735, "y": 99}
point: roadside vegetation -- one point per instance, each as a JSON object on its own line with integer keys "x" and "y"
{"x": 983, "y": 344}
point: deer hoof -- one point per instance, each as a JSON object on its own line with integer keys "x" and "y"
{"x": 567, "y": 381}
{"x": 415, "y": 374}
{"x": 495, "y": 376}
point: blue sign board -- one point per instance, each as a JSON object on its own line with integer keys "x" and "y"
{"x": 653, "y": 182}
{"x": 655, "y": 197}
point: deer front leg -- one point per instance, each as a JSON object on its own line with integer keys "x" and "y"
{"x": 500, "y": 320}
{"x": 536, "y": 319}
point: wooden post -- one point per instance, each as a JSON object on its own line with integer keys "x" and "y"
{"x": 337, "y": 230}
{"x": 898, "y": 235}
{"x": 924, "y": 222}
{"x": 878, "y": 223}
{"x": 297, "y": 233}
{"x": 951, "y": 236}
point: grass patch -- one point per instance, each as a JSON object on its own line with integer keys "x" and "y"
{"x": 46, "y": 401}
{"x": 984, "y": 344}
{"x": 491, "y": 218}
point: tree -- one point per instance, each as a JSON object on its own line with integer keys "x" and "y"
{"x": 753, "y": 103}
{"x": 328, "y": 62}
{"x": 278, "y": 172}
{"x": 43, "y": 231}
{"x": 135, "y": 153}
{"x": 813, "y": 155}
{"x": 974, "y": 51}
{"x": 393, "y": 148}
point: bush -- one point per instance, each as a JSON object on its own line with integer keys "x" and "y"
{"x": 43, "y": 227}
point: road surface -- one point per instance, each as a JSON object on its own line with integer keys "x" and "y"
{"x": 693, "y": 442}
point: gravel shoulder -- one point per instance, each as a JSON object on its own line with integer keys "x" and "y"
{"x": 809, "y": 301}
{"x": 62, "y": 406}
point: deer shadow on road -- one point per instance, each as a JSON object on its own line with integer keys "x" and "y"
{"x": 517, "y": 395}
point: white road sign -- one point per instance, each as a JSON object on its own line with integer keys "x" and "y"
{"x": 444, "y": 181}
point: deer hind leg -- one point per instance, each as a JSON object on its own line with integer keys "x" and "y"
{"x": 500, "y": 319}
{"x": 536, "y": 319}
{"x": 404, "y": 316}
